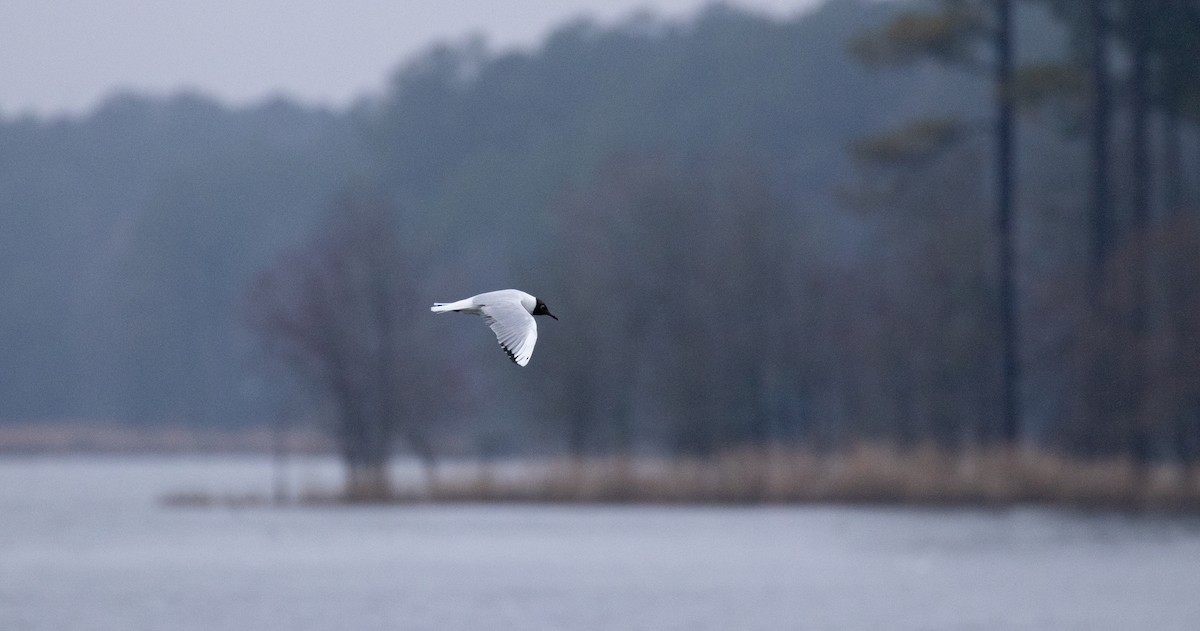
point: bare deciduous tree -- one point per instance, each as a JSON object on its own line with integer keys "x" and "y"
{"x": 333, "y": 310}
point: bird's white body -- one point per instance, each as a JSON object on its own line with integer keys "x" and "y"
{"x": 509, "y": 313}
{"x": 474, "y": 304}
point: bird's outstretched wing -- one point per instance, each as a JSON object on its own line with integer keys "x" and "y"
{"x": 515, "y": 329}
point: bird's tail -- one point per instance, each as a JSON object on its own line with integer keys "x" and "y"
{"x": 442, "y": 307}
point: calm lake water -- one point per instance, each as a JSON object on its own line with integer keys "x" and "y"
{"x": 85, "y": 543}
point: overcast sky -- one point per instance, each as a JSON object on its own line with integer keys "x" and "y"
{"x": 63, "y": 56}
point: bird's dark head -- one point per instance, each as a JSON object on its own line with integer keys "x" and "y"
{"x": 540, "y": 309}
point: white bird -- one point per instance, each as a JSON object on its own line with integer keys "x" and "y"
{"x": 509, "y": 313}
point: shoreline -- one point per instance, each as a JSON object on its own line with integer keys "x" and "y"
{"x": 865, "y": 475}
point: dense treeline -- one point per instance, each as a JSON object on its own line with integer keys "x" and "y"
{"x": 752, "y": 237}
{"x": 1126, "y": 335}
{"x": 128, "y": 236}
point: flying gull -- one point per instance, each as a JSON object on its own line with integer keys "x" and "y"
{"x": 509, "y": 313}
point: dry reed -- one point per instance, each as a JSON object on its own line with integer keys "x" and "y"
{"x": 866, "y": 474}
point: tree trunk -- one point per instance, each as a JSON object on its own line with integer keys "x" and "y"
{"x": 1139, "y": 228}
{"x": 1101, "y": 109}
{"x": 1140, "y": 135}
{"x": 1005, "y": 142}
{"x": 1172, "y": 165}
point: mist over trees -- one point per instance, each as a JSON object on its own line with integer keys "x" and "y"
{"x": 127, "y": 238}
{"x": 751, "y": 237}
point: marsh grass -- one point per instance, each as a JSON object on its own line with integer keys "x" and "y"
{"x": 865, "y": 474}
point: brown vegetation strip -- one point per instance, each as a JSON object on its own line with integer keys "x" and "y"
{"x": 866, "y": 475}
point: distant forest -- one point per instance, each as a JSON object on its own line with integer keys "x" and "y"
{"x": 754, "y": 230}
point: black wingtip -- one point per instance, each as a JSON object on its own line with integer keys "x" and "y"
{"x": 511, "y": 355}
